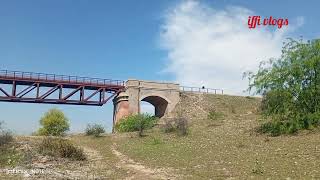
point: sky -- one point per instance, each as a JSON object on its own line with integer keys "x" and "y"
{"x": 193, "y": 43}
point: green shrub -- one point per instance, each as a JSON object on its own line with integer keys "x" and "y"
{"x": 9, "y": 156}
{"x": 257, "y": 169}
{"x": 5, "y": 138}
{"x": 138, "y": 122}
{"x": 214, "y": 115}
{"x": 281, "y": 125}
{"x": 5, "y": 135}
{"x": 94, "y": 130}
{"x": 290, "y": 88}
{"x": 155, "y": 141}
{"x": 54, "y": 123}
{"x": 62, "y": 148}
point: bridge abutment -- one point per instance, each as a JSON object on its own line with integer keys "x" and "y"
{"x": 163, "y": 96}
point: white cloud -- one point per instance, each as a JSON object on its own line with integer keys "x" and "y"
{"x": 212, "y": 47}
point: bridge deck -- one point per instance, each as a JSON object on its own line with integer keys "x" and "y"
{"x": 34, "y": 81}
{"x": 50, "y": 80}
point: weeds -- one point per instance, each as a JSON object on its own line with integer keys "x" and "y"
{"x": 62, "y": 148}
{"x": 155, "y": 141}
{"x": 94, "y": 130}
{"x": 5, "y": 135}
{"x": 169, "y": 126}
{"x": 214, "y": 115}
{"x": 257, "y": 169}
{"x": 250, "y": 97}
{"x": 182, "y": 126}
{"x": 138, "y": 122}
{"x": 8, "y": 154}
{"x": 5, "y": 138}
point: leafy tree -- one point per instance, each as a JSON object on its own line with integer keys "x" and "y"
{"x": 144, "y": 122}
{"x": 290, "y": 87}
{"x": 54, "y": 123}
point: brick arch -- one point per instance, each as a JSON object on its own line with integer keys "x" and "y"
{"x": 159, "y": 102}
{"x": 163, "y": 96}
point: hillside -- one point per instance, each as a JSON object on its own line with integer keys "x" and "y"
{"x": 224, "y": 147}
{"x": 228, "y": 147}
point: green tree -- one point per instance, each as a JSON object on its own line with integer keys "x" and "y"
{"x": 143, "y": 122}
{"x": 290, "y": 87}
{"x": 54, "y": 123}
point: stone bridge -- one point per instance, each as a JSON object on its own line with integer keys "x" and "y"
{"x": 30, "y": 87}
{"x": 163, "y": 96}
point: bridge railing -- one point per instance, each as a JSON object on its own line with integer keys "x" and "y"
{"x": 201, "y": 90}
{"x": 58, "y": 78}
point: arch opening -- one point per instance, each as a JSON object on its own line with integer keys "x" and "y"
{"x": 160, "y": 105}
{"x": 146, "y": 107}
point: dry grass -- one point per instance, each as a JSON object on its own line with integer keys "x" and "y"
{"x": 220, "y": 149}
{"x": 104, "y": 163}
{"x": 63, "y": 148}
{"x": 232, "y": 148}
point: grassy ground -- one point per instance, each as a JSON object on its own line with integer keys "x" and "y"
{"x": 227, "y": 147}
{"x": 224, "y": 145}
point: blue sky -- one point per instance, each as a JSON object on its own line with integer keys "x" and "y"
{"x": 151, "y": 40}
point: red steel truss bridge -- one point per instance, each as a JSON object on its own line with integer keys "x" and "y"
{"x": 30, "y": 87}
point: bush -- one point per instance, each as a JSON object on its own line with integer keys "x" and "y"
{"x": 138, "y": 122}
{"x": 155, "y": 141}
{"x": 5, "y": 136}
{"x": 178, "y": 125}
{"x": 10, "y": 156}
{"x": 54, "y": 123}
{"x": 214, "y": 115}
{"x": 290, "y": 88}
{"x": 182, "y": 126}
{"x": 94, "y": 129}
{"x": 62, "y": 148}
{"x": 169, "y": 126}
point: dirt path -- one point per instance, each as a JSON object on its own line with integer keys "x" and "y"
{"x": 100, "y": 164}
{"x": 139, "y": 171}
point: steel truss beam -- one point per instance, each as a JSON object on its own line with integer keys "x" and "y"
{"x": 33, "y": 89}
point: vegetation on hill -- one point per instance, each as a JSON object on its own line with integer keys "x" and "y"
{"x": 5, "y": 135}
{"x": 54, "y": 123}
{"x": 291, "y": 88}
{"x": 222, "y": 143}
{"x": 178, "y": 125}
{"x": 225, "y": 146}
{"x": 63, "y": 148}
{"x": 94, "y": 130}
{"x": 137, "y": 122}
{"x": 8, "y": 155}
